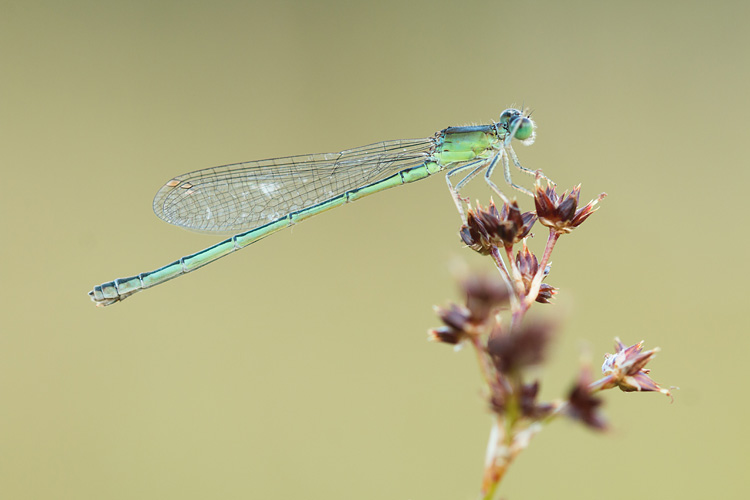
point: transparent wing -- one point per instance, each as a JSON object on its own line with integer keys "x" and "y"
{"x": 243, "y": 196}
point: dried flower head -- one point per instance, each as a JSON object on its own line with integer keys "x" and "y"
{"x": 528, "y": 266}
{"x": 559, "y": 212}
{"x": 484, "y": 296}
{"x": 546, "y": 292}
{"x": 520, "y": 348}
{"x": 528, "y": 402}
{"x": 457, "y": 320}
{"x": 583, "y": 405}
{"x": 626, "y": 369}
{"x": 475, "y": 235}
{"x": 447, "y": 335}
{"x": 488, "y": 228}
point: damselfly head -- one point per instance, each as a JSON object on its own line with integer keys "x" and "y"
{"x": 519, "y": 126}
{"x": 508, "y": 115}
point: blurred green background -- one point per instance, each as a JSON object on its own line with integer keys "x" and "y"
{"x": 299, "y": 367}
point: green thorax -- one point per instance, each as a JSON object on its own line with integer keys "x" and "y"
{"x": 462, "y": 144}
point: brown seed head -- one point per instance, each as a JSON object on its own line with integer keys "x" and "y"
{"x": 558, "y": 212}
{"x": 627, "y": 370}
{"x": 484, "y": 296}
{"x": 529, "y": 406}
{"x": 487, "y": 228}
{"x": 546, "y": 292}
{"x": 447, "y": 335}
{"x": 458, "y": 326}
{"x": 523, "y": 347}
{"x": 475, "y": 235}
{"x": 528, "y": 265}
{"x": 583, "y": 405}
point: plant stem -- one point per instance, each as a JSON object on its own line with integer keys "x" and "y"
{"x": 537, "y": 282}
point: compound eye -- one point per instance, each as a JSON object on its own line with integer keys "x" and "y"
{"x": 507, "y": 115}
{"x": 523, "y": 126}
